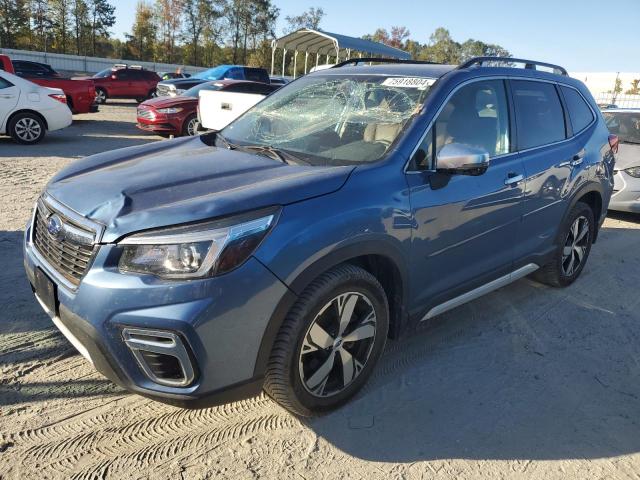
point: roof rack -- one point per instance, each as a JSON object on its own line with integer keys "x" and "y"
{"x": 125, "y": 65}
{"x": 355, "y": 61}
{"x": 528, "y": 64}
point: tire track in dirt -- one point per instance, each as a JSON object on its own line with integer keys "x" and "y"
{"x": 151, "y": 441}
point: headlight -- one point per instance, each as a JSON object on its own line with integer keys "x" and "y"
{"x": 633, "y": 171}
{"x": 198, "y": 250}
{"x": 170, "y": 110}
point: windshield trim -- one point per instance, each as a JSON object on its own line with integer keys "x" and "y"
{"x": 317, "y": 160}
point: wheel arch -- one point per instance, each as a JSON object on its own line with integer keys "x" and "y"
{"x": 27, "y": 110}
{"x": 380, "y": 259}
{"x": 592, "y": 195}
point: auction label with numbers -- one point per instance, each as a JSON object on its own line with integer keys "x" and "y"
{"x": 409, "y": 82}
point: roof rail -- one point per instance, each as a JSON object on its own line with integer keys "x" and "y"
{"x": 355, "y": 61}
{"x": 528, "y": 64}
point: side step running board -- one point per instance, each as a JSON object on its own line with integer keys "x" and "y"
{"x": 480, "y": 291}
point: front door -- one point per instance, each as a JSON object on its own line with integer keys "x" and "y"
{"x": 465, "y": 226}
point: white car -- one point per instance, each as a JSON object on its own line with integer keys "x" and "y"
{"x": 28, "y": 110}
{"x": 226, "y": 100}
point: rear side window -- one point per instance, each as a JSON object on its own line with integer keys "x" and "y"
{"x": 235, "y": 74}
{"x": 539, "y": 114}
{"x": 256, "y": 75}
{"x": 579, "y": 112}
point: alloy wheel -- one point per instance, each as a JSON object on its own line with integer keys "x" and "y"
{"x": 337, "y": 344}
{"x": 28, "y": 129}
{"x": 575, "y": 246}
{"x": 192, "y": 127}
{"x": 101, "y": 97}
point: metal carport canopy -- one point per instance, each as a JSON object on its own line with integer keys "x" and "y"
{"x": 331, "y": 44}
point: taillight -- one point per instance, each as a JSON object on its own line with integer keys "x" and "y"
{"x": 60, "y": 97}
{"x": 613, "y": 143}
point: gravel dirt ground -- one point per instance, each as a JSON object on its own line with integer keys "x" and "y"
{"x": 527, "y": 382}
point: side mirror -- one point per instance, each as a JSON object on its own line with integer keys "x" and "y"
{"x": 463, "y": 159}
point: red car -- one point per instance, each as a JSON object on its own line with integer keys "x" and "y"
{"x": 124, "y": 81}
{"x": 178, "y": 115}
{"x": 80, "y": 93}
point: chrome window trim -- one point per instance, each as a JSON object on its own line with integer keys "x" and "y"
{"x": 406, "y": 169}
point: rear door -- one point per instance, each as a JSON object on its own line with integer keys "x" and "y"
{"x": 9, "y": 95}
{"x": 551, "y": 162}
{"x": 138, "y": 83}
{"x": 465, "y": 225}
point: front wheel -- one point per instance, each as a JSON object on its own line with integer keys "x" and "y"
{"x": 101, "y": 96}
{"x": 570, "y": 257}
{"x": 329, "y": 342}
{"x": 26, "y": 128}
{"x": 191, "y": 126}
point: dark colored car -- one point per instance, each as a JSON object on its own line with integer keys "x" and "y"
{"x": 125, "y": 82}
{"x": 221, "y": 72}
{"x": 178, "y": 115}
{"x": 347, "y": 207}
{"x": 31, "y": 70}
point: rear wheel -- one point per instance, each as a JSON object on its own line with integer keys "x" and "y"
{"x": 27, "y": 128}
{"x": 329, "y": 342}
{"x": 101, "y": 96}
{"x": 570, "y": 257}
{"x": 191, "y": 126}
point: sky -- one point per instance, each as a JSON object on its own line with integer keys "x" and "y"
{"x": 581, "y": 35}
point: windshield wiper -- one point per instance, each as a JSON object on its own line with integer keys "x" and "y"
{"x": 227, "y": 143}
{"x": 275, "y": 153}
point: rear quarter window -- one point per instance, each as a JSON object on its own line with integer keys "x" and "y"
{"x": 539, "y": 113}
{"x": 257, "y": 75}
{"x": 579, "y": 112}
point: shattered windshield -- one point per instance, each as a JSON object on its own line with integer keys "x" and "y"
{"x": 333, "y": 119}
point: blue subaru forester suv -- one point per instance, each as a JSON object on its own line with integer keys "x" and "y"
{"x": 281, "y": 252}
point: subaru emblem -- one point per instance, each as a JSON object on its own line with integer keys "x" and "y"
{"x": 55, "y": 227}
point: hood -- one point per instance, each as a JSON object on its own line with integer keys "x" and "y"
{"x": 628, "y": 156}
{"x": 184, "y": 82}
{"x": 165, "y": 102}
{"x": 180, "y": 181}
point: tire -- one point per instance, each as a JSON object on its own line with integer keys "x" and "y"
{"x": 190, "y": 126}
{"x": 27, "y": 128}
{"x": 101, "y": 96}
{"x": 295, "y": 374}
{"x": 152, "y": 94}
{"x": 562, "y": 271}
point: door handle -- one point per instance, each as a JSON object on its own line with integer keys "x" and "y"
{"x": 514, "y": 179}
{"x": 578, "y": 158}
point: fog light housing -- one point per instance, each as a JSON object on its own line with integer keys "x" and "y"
{"x": 162, "y": 356}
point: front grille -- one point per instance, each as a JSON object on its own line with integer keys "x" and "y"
{"x": 145, "y": 113}
{"x": 69, "y": 257}
{"x": 162, "y": 90}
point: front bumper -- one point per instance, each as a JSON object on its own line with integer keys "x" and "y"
{"x": 160, "y": 123}
{"x": 222, "y": 320}
{"x": 626, "y": 196}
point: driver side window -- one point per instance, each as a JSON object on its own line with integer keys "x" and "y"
{"x": 477, "y": 115}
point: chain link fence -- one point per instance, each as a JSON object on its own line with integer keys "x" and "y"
{"x": 620, "y": 100}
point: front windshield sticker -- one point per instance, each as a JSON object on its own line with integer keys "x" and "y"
{"x": 409, "y": 82}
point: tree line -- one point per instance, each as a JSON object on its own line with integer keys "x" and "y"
{"x": 195, "y": 32}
